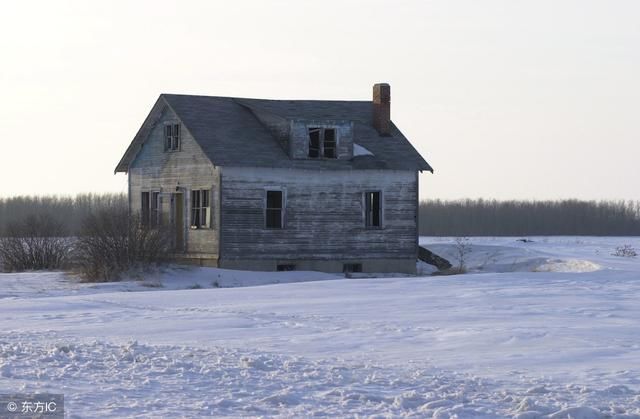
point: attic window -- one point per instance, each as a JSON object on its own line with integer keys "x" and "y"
{"x": 322, "y": 143}
{"x": 172, "y": 137}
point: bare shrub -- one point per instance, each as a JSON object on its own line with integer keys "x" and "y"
{"x": 35, "y": 243}
{"x": 626, "y": 251}
{"x": 462, "y": 248}
{"x": 112, "y": 243}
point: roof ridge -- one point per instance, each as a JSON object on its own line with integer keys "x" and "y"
{"x": 267, "y": 99}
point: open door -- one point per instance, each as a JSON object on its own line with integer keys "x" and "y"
{"x": 178, "y": 220}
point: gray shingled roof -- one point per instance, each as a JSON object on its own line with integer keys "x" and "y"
{"x": 231, "y": 135}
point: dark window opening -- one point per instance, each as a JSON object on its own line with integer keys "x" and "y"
{"x": 373, "y": 209}
{"x": 322, "y": 143}
{"x": 329, "y": 143}
{"x": 145, "y": 211}
{"x": 172, "y": 137}
{"x": 274, "y": 209}
{"x": 286, "y": 267}
{"x": 352, "y": 267}
{"x": 200, "y": 209}
{"x": 314, "y": 142}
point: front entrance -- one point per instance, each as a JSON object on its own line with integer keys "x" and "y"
{"x": 177, "y": 204}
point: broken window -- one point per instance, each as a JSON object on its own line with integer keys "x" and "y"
{"x": 373, "y": 209}
{"x": 200, "y": 209}
{"x": 314, "y": 142}
{"x": 274, "y": 209}
{"x": 322, "y": 143}
{"x": 172, "y": 137}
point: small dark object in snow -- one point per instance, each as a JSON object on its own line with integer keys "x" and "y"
{"x": 427, "y": 256}
{"x": 525, "y": 240}
{"x": 626, "y": 251}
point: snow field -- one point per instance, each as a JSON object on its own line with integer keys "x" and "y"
{"x": 137, "y": 380}
{"x": 548, "y": 329}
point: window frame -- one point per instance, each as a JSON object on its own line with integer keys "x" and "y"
{"x": 201, "y": 212}
{"x": 151, "y": 208}
{"x": 155, "y": 209}
{"x": 321, "y": 148}
{"x": 368, "y": 221}
{"x": 283, "y": 205}
{"x": 172, "y": 135}
{"x": 334, "y": 141}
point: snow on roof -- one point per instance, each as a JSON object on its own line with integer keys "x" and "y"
{"x": 358, "y": 150}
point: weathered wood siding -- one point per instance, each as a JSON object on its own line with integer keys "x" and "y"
{"x": 168, "y": 172}
{"x": 324, "y": 214}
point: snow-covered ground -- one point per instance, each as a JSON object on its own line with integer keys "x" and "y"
{"x": 548, "y": 328}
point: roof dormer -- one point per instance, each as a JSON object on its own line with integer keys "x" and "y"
{"x": 321, "y": 139}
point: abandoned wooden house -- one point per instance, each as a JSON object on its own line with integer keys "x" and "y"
{"x": 279, "y": 184}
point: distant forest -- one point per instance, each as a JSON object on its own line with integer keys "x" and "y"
{"x": 467, "y": 217}
{"x": 569, "y": 217}
{"x": 70, "y": 211}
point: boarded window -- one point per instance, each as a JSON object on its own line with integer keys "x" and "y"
{"x": 274, "y": 209}
{"x": 373, "y": 209}
{"x": 172, "y": 137}
{"x": 322, "y": 143}
{"x": 200, "y": 209}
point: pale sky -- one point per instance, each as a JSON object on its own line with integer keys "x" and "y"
{"x": 504, "y": 98}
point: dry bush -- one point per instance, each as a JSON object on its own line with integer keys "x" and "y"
{"x": 625, "y": 251}
{"x": 35, "y": 243}
{"x": 112, "y": 243}
{"x": 462, "y": 248}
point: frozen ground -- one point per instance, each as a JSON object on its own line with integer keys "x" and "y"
{"x": 549, "y": 328}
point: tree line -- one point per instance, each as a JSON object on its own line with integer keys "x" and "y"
{"x": 568, "y": 217}
{"x": 465, "y": 217}
{"x": 68, "y": 211}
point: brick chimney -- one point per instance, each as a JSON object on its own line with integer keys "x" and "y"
{"x": 382, "y": 108}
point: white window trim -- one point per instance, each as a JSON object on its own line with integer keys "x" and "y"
{"x": 209, "y": 220}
